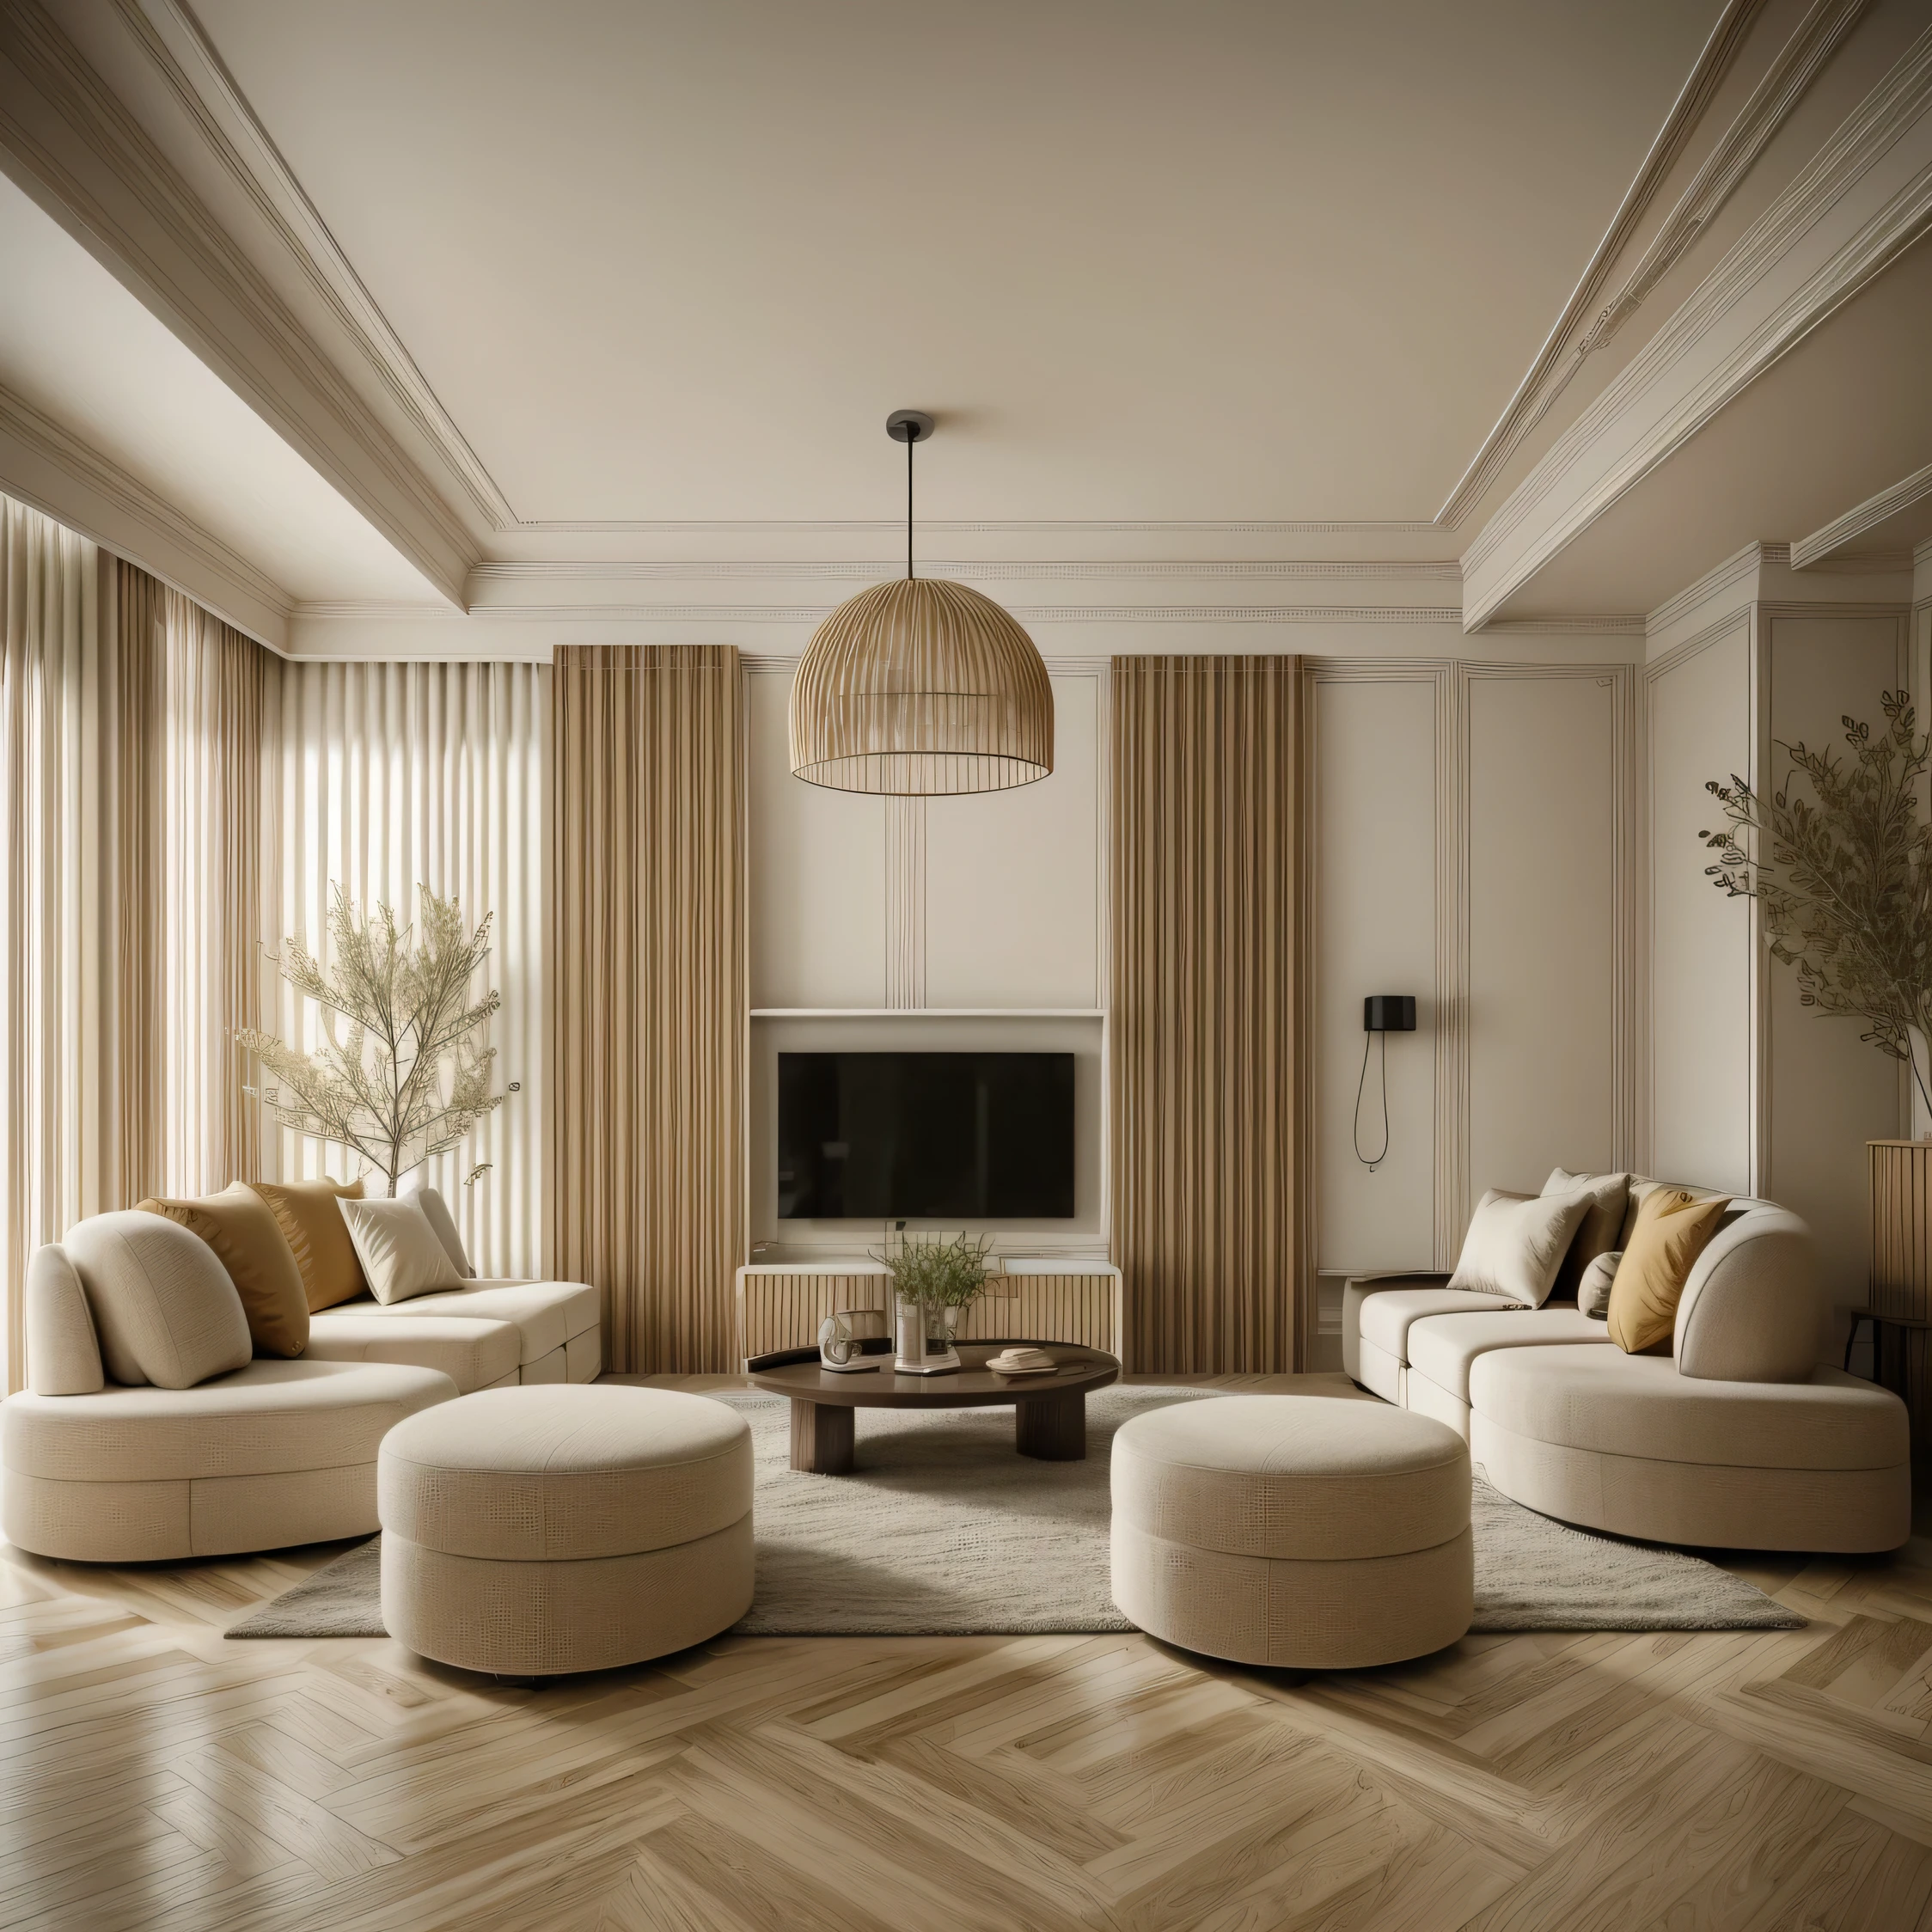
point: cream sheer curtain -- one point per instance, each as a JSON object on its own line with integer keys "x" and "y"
{"x": 59, "y": 1143}
{"x": 394, "y": 776}
{"x": 131, "y": 812}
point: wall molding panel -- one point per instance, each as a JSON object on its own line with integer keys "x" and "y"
{"x": 905, "y": 902}
{"x": 1458, "y": 1044}
{"x": 1451, "y": 964}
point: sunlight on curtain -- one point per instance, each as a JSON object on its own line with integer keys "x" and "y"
{"x": 57, "y": 1149}
{"x": 401, "y": 775}
{"x": 219, "y": 695}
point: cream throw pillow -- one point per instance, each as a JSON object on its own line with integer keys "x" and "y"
{"x": 1592, "y": 1292}
{"x": 398, "y": 1249}
{"x": 1515, "y": 1245}
{"x": 1609, "y": 1195}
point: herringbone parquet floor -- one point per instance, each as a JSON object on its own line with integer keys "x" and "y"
{"x": 153, "y": 1776}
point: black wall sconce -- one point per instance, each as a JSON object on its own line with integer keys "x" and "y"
{"x": 1383, "y": 1013}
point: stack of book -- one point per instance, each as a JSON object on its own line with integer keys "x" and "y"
{"x": 1022, "y": 1362}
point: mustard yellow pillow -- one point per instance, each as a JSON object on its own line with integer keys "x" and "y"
{"x": 237, "y": 1225}
{"x": 311, "y": 1224}
{"x": 1671, "y": 1230}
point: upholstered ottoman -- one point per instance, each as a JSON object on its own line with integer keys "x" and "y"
{"x": 1311, "y": 1533}
{"x": 540, "y": 1530}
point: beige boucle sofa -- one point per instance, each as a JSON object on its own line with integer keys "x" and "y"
{"x": 490, "y": 1335}
{"x": 149, "y": 1432}
{"x": 1742, "y": 1437}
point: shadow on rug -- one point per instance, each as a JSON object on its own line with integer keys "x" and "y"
{"x": 942, "y": 1530}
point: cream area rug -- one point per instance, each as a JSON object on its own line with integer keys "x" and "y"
{"x": 943, "y": 1530}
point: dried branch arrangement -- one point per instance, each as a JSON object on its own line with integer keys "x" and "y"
{"x": 1839, "y": 859}
{"x": 403, "y": 1071}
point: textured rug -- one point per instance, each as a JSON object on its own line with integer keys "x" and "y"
{"x": 942, "y": 1530}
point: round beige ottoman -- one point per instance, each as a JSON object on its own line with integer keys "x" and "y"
{"x": 1305, "y": 1532}
{"x": 565, "y": 1527}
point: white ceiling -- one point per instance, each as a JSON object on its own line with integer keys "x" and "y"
{"x": 1229, "y": 258}
{"x": 80, "y": 348}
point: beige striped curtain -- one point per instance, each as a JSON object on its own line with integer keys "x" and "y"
{"x": 1208, "y": 1069}
{"x": 220, "y": 694}
{"x": 131, "y": 810}
{"x": 59, "y": 1146}
{"x": 650, "y": 989}
{"x": 393, "y": 776}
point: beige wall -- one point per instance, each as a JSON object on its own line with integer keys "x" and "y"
{"x": 1698, "y": 710}
{"x": 1471, "y": 842}
{"x": 1549, "y": 928}
{"x": 1750, "y": 1090}
{"x": 994, "y": 905}
{"x": 1828, "y": 1092}
{"x": 1374, "y": 791}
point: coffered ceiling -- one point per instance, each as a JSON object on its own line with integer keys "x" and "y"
{"x": 1225, "y": 259}
{"x": 441, "y": 291}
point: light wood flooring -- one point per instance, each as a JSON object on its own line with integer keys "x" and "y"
{"x": 153, "y": 1774}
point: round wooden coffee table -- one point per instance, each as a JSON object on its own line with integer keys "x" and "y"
{"x": 1049, "y": 1411}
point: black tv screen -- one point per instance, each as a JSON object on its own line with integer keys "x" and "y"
{"x": 952, "y": 1135}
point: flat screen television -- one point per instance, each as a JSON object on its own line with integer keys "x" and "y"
{"x": 876, "y": 1136}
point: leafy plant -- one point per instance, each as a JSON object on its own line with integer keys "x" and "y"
{"x": 402, "y": 1071}
{"x": 941, "y": 1272}
{"x": 1839, "y": 859}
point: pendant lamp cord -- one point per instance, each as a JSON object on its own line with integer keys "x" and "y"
{"x": 908, "y": 510}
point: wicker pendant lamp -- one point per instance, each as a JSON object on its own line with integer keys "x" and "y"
{"x": 921, "y": 688}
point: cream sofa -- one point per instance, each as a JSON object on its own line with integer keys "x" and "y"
{"x": 148, "y": 1430}
{"x": 1743, "y": 1437}
{"x": 490, "y": 1335}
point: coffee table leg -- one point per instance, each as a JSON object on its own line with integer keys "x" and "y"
{"x": 1052, "y": 1428}
{"x": 822, "y": 1437}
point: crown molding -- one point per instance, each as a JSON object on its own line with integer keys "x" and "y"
{"x": 1720, "y": 577}
{"x": 81, "y": 154}
{"x": 71, "y": 145}
{"x": 1820, "y": 35}
{"x": 816, "y": 614}
{"x": 47, "y": 465}
{"x": 1447, "y": 571}
{"x": 1809, "y": 552}
{"x": 1618, "y": 623}
{"x": 1863, "y": 199}
{"x": 181, "y": 51}
{"x": 1533, "y": 394}
{"x": 1818, "y": 38}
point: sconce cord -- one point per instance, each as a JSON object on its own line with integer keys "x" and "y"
{"x": 1368, "y": 1040}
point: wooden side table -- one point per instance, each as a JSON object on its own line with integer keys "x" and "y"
{"x": 1881, "y": 1322}
{"x": 1899, "y": 1296}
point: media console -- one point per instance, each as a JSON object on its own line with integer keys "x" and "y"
{"x": 780, "y": 1304}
